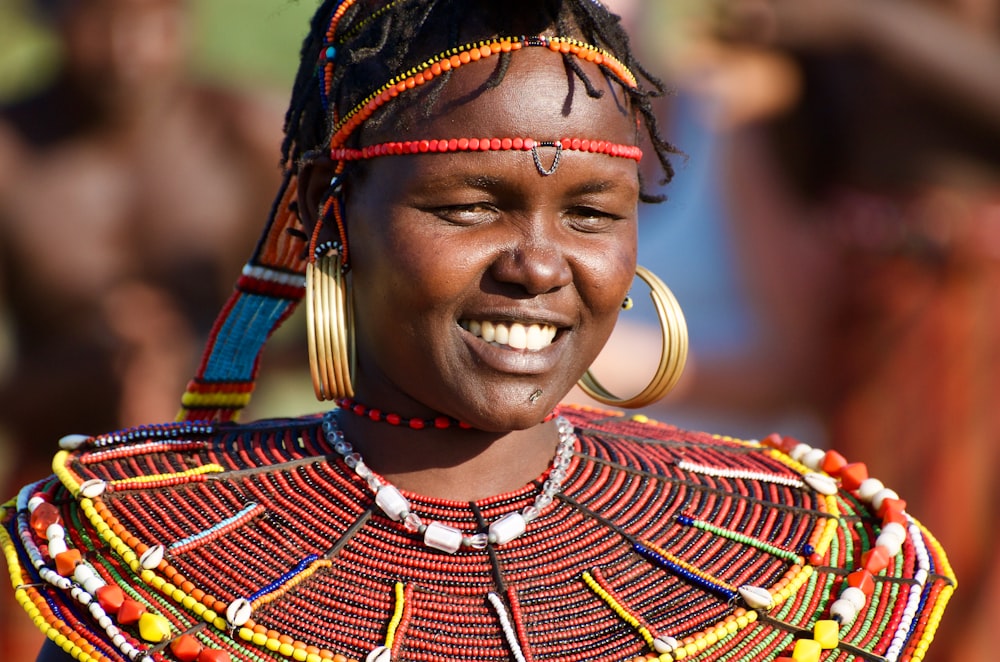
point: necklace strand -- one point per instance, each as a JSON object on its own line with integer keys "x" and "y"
{"x": 442, "y": 536}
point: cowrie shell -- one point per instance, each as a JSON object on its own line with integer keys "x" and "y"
{"x": 756, "y": 597}
{"x": 72, "y": 441}
{"x": 93, "y": 488}
{"x": 821, "y": 483}
{"x": 151, "y": 558}
{"x": 665, "y": 644}
{"x": 238, "y": 612}
{"x": 380, "y": 654}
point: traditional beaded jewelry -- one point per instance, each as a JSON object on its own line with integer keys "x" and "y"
{"x": 446, "y": 145}
{"x": 437, "y": 423}
{"x": 455, "y": 58}
{"x": 371, "y": 413}
{"x": 441, "y": 536}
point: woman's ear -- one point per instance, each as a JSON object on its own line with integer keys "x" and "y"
{"x": 314, "y": 184}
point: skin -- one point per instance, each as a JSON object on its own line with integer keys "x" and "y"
{"x": 438, "y": 239}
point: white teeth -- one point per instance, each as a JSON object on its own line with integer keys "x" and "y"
{"x": 518, "y": 338}
{"x": 535, "y": 339}
{"x": 515, "y": 335}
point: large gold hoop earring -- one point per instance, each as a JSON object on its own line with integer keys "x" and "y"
{"x": 673, "y": 351}
{"x": 329, "y": 329}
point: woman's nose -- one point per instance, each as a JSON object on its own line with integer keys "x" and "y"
{"x": 536, "y": 264}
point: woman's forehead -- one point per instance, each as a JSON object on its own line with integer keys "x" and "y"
{"x": 538, "y": 97}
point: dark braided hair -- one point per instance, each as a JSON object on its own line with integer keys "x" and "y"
{"x": 378, "y": 39}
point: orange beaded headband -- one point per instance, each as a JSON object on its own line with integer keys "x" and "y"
{"x": 455, "y": 58}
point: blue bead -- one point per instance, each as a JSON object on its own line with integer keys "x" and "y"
{"x": 330, "y": 52}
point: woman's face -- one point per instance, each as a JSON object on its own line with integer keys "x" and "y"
{"x": 443, "y": 245}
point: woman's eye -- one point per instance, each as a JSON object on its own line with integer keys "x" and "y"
{"x": 589, "y": 219}
{"x": 469, "y": 214}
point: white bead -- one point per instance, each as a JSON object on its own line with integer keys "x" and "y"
{"x": 57, "y": 546}
{"x": 821, "y": 483}
{"x": 814, "y": 458}
{"x": 845, "y": 610}
{"x": 869, "y": 488}
{"x": 478, "y": 541}
{"x": 891, "y": 543}
{"x": 54, "y": 532}
{"x": 93, "y": 488}
{"x": 895, "y": 529}
{"x": 799, "y": 452}
{"x": 92, "y": 585}
{"x": 443, "y": 537}
{"x": 239, "y": 612}
{"x": 118, "y": 640}
{"x": 855, "y": 596}
{"x": 105, "y": 622}
{"x": 151, "y": 558}
{"x": 392, "y": 502}
{"x": 34, "y": 502}
{"x": 72, "y": 441}
{"x": 881, "y": 496}
{"x": 507, "y": 528}
{"x": 757, "y": 597}
{"x": 82, "y": 573}
{"x": 380, "y": 654}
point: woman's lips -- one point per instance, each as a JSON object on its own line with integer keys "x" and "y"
{"x": 530, "y": 337}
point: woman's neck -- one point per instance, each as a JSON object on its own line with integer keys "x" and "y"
{"x": 454, "y": 463}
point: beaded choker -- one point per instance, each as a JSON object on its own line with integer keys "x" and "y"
{"x": 379, "y": 416}
{"x": 441, "y": 536}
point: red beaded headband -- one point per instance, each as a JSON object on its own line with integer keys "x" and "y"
{"x": 446, "y": 145}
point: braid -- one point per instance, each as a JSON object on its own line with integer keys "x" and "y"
{"x": 376, "y": 40}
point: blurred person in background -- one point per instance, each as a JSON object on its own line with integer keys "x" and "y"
{"x": 119, "y": 182}
{"x": 859, "y": 143}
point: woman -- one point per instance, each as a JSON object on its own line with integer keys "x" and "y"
{"x": 468, "y": 197}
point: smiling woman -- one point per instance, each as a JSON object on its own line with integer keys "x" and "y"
{"x": 460, "y": 212}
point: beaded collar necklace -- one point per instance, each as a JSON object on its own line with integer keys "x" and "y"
{"x": 441, "y": 536}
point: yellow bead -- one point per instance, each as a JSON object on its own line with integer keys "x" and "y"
{"x": 743, "y": 621}
{"x": 640, "y": 418}
{"x": 692, "y": 649}
{"x": 188, "y": 602}
{"x": 246, "y": 634}
{"x": 272, "y": 644}
{"x": 259, "y": 638}
{"x": 732, "y": 627}
{"x": 313, "y": 657}
{"x": 286, "y": 650}
{"x": 179, "y": 595}
{"x": 751, "y": 616}
{"x": 299, "y": 655}
{"x": 806, "y": 650}
{"x": 154, "y": 628}
{"x": 827, "y": 634}
{"x": 666, "y": 657}
{"x": 208, "y": 614}
{"x": 680, "y": 653}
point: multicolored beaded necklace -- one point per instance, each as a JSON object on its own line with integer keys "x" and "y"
{"x": 246, "y": 541}
{"x": 441, "y": 536}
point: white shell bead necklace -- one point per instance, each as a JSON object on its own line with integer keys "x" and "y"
{"x": 442, "y": 536}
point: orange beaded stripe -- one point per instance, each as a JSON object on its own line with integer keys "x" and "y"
{"x": 472, "y": 52}
{"x": 482, "y": 145}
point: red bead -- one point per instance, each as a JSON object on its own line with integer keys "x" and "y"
{"x": 186, "y": 648}
{"x": 394, "y": 419}
{"x": 894, "y": 506}
{"x": 130, "y": 612}
{"x": 442, "y": 422}
{"x": 67, "y": 561}
{"x": 111, "y": 598}
{"x": 374, "y": 414}
{"x": 417, "y": 424}
{"x": 772, "y": 440}
{"x": 815, "y": 558}
{"x": 833, "y": 462}
{"x": 852, "y": 475}
{"x": 496, "y": 143}
{"x": 44, "y": 516}
{"x": 893, "y": 515}
{"x": 473, "y": 144}
{"x": 213, "y": 655}
{"x": 875, "y": 560}
{"x": 862, "y": 579}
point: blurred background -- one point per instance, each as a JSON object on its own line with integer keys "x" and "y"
{"x": 832, "y": 234}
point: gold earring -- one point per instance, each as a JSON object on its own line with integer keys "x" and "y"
{"x": 673, "y": 352}
{"x": 329, "y": 328}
